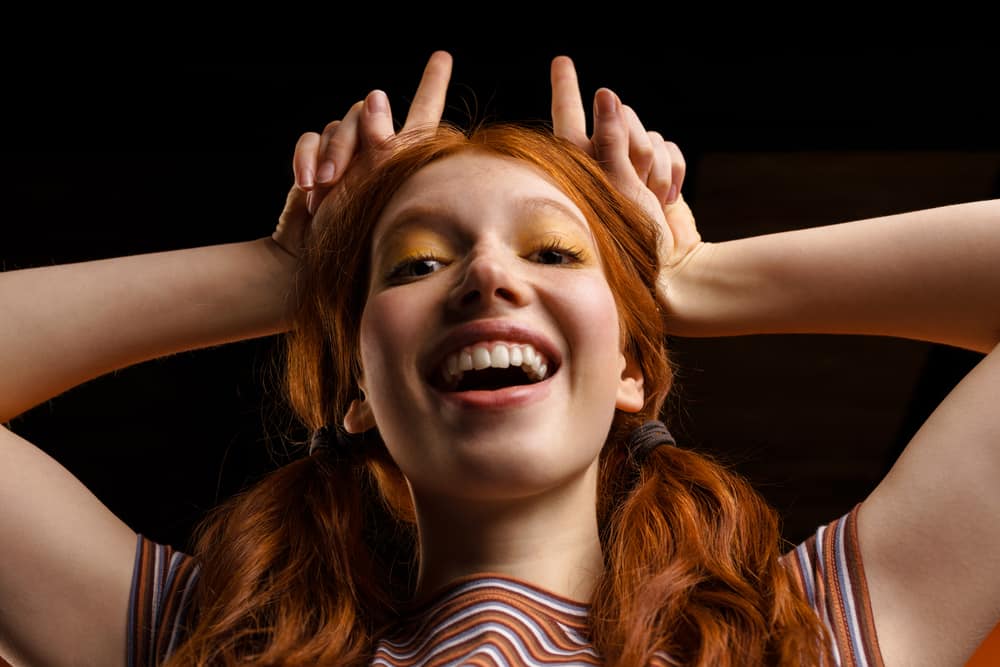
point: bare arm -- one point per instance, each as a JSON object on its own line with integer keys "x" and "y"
{"x": 63, "y": 325}
{"x": 66, "y": 557}
{"x": 927, "y": 275}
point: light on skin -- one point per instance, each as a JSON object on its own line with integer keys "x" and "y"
{"x": 512, "y": 490}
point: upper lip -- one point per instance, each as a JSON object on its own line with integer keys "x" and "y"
{"x": 488, "y": 330}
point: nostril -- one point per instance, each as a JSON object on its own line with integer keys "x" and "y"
{"x": 470, "y": 297}
{"x": 505, "y": 293}
{"x": 483, "y": 282}
{"x": 501, "y": 293}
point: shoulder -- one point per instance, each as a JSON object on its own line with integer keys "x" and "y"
{"x": 163, "y": 581}
{"x": 829, "y": 571}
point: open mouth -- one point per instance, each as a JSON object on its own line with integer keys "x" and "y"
{"x": 492, "y": 368}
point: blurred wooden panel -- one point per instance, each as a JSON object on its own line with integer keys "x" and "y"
{"x": 752, "y": 193}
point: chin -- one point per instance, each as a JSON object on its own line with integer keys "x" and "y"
{"x": 509, "y": 478}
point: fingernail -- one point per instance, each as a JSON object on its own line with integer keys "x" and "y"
{"x": 377, "y": 102}
{"x": 326, "y": 172}
{"x": 672, "y": 197}
{"x": 307, "y": 178}
{"x": 607, "y": 103}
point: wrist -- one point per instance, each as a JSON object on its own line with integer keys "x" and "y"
{"x": 274, "y": 239}
{"x": 281, "y": 268}
{"x": 718, "y": 289}
{"x": 679, "y": 285}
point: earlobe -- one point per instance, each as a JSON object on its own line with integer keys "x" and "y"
{"x": 631, "y": 394}
{"x": 359, "y": 417}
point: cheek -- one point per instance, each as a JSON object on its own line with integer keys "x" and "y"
{"x": 378, "y": 328}
{"x": 593, "y": 309}
{"x": 589, "y": 316}
{"x": 389, "y": 324}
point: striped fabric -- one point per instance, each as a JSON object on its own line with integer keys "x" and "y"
{"x": 493, "y": 620}
{"x": 829, "y": 571}
{"x": 162, "y": 581}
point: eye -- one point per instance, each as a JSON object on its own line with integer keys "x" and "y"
{"x": 414, "y": 266}
{"x": 554, "y": 252}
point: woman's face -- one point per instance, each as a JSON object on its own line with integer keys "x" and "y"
{"x": 475, "y": 257}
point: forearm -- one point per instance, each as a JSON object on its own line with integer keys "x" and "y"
{"x": 63, "y": 325}
{"x": 931, "y": 275}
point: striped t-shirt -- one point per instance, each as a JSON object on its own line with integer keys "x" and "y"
{"x": 491, "y": 619}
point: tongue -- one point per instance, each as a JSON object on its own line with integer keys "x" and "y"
{"x": 489, "y": 379}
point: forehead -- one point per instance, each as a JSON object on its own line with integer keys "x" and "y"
{"x": 471, "y": 185}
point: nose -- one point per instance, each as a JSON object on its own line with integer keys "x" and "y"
{"x": 490, "y": 279}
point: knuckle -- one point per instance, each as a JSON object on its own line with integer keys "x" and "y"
{"x": 306, "y": 141}
{"x": 604, "y": 144}
{"x": 644, "y": 153}
{"x": 675, "y": 151}
{"x": 659, "y": 185}
{"x": 659, "y": 178}
{"x": 335, "y": 147}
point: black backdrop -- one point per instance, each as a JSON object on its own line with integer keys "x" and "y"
{"x": 101, "y": 158}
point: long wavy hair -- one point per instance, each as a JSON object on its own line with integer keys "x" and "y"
{"x": 310, "y": 565}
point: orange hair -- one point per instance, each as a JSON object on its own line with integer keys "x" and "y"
{"x": 310, "y": 564}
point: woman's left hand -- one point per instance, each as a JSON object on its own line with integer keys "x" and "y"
{"x": 642, "y": 164}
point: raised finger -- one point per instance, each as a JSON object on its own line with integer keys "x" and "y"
{"x": 428, "y": 102}
{"x": 660, "y": 174}
{"x": 640, "y": 148}
{"x": 304, "y": 160}
{"x": 376, "y": 119}
{"x": 338, "y": 145}
{"x": 569, "y": 119}
{"x": 611, "y": 141}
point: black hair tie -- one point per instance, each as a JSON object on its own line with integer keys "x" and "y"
{"x": 646, "y": 438}
{"x": 342, "y": 448}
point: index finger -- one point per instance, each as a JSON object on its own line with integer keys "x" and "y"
{"x": 428, "y": 101}
{"x": 569, "y": 120}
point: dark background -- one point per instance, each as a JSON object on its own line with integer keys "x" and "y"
{"x": 124, "y": 155}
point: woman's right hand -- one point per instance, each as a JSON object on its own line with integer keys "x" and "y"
{"x": 322, "y": 159}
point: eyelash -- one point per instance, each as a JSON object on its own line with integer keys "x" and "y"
{"x": 572, "y": 253}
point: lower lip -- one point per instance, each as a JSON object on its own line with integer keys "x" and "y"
{"x": 499, "y": 399}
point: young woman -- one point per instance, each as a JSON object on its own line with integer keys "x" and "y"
{"x": 476, "y": 328}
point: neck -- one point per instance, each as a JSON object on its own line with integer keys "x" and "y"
{"x": 550, "y": 539}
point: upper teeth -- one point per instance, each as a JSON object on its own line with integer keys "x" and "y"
{"x": 495, "y": 355}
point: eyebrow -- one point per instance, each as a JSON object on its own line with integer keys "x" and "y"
{"x": 424, "y": 215}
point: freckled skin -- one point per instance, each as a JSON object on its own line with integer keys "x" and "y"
{"x": 488, "y": 266}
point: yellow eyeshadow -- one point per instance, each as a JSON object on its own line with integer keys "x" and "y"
{"x": 412, "y": 243}
{"x": 555, "y": 230}
{"x": 534, "y": 232}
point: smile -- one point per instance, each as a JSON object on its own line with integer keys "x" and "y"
{"x": 491, "y": 366}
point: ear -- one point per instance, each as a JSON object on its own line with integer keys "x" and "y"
{"x": 631, "y": 395}
{"x": 359, "y": 417}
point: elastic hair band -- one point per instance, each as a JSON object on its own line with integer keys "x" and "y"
{"x": 646, "y": 438}
{"x": 341, "y": 447}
